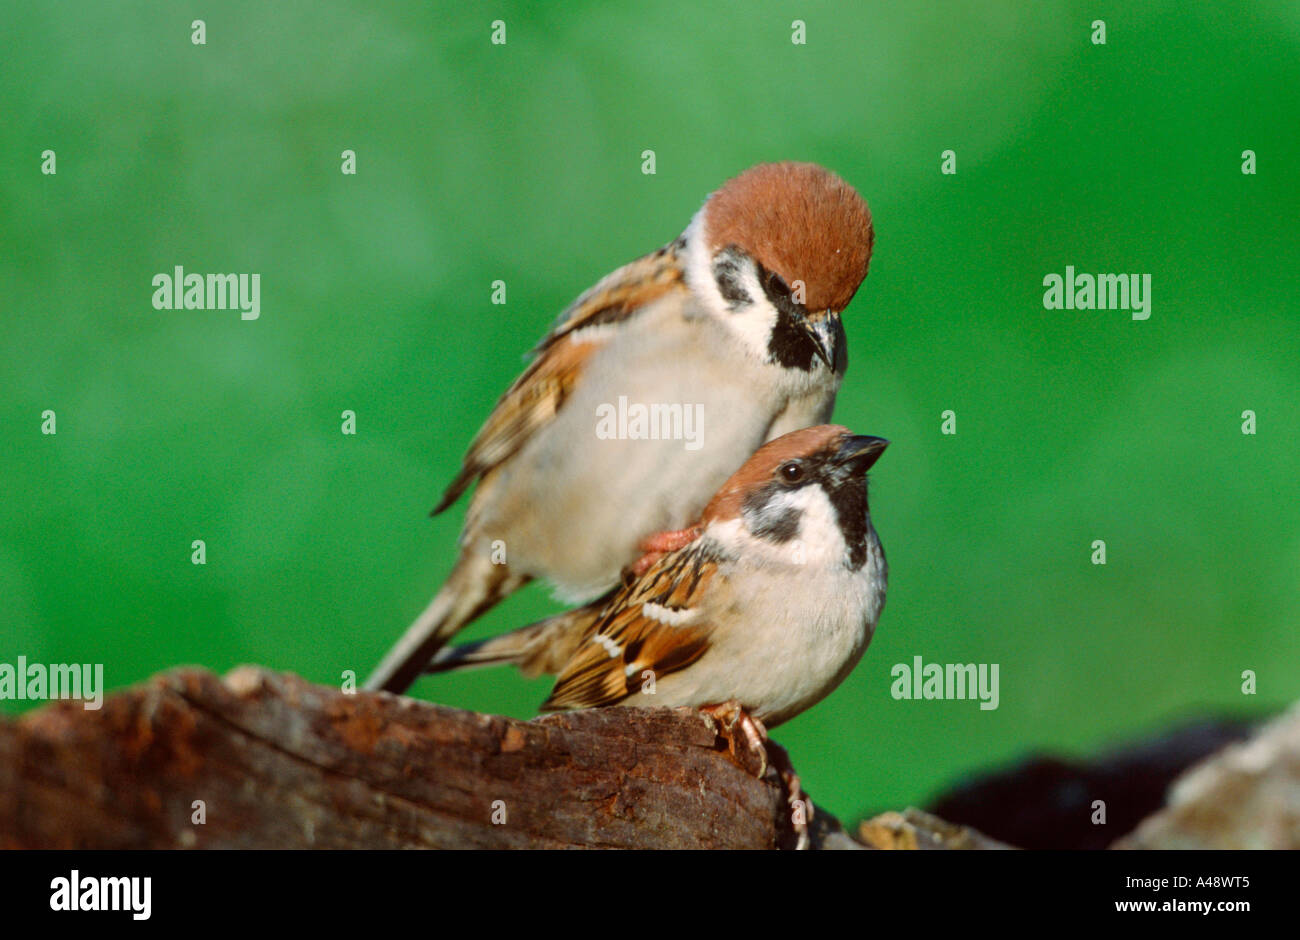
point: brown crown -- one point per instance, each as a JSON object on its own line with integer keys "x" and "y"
{"x": 758, "y": 469}
{"x": 799, "y": 220}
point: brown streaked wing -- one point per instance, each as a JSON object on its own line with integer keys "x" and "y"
{"x": 534, "y": 399}
{"x": 679, "y": 581}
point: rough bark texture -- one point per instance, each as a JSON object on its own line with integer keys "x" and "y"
{"x": 269, "y": 760}
{"x": 280, "y": 763}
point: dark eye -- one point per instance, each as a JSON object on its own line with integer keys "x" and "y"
{"x": 777, "y": 287}
{"x": 791, "y": 472}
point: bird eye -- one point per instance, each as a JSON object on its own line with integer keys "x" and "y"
{"x": 776, "y": 286}
{"x": 791, "y": 472}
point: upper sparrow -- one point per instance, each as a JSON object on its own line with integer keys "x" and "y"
{"x": 767, "y": 602}
{"x": 735, "y": 323}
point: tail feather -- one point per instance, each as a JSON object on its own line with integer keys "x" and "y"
{"x": 475, "y": 585}
{"x": 542, "y": 647}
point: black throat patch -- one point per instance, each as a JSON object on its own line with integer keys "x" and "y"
{"x": 790, "y": 344}
{"x": 847, "y": 492}
{"x": 850, "y": 502}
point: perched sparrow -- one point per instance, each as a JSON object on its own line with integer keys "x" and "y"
{"x": 767, "y": 602}
{"x": 734, "y": 327}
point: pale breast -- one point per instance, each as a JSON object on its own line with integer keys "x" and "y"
{"x": 799, "y": 637}
{"x": 665, "y": 413}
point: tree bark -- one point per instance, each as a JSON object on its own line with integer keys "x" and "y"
{"x": 267, "y": 760}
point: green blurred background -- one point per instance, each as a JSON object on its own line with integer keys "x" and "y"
{"x": 522, "y": 162}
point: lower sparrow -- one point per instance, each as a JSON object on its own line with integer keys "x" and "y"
{"x": 756, "y": 612}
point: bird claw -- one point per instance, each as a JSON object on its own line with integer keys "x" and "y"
{"x": 734, "y": 724}
{"x": 761, "y": 752}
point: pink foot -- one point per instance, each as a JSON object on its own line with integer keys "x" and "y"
{"x": 660, "y": 544}
{"x": 761, "y": 752}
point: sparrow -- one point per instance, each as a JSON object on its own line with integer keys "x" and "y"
{"x": 754, "y": 613}
{"x": 767, "y": 601}
{"x": 735, "y": 322}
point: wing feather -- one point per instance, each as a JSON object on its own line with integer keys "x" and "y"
{"x": 659, "y": 622}
{"x": 536, "y": 397}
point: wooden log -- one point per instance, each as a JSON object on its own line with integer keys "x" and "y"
{"x": 267, "y": 760}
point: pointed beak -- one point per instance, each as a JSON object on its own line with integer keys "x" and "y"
{"x": 821, "y": 330}
{"x": 859, "y": 452}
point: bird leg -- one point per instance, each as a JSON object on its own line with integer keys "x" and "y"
{"x": 735, "y": 723}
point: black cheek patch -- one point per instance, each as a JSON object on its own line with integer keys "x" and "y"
{"x": 778, "y": 526}
{"x": 728, "y": 271}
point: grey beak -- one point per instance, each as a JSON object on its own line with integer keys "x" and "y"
{"x": 859, "y": 452}
{"x": 821, "y": 332}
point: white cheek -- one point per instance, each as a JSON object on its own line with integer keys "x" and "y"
{"x": 699, "y": 273}
{"x": 819, "y": 541}
{"x": 751, "y": 325}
